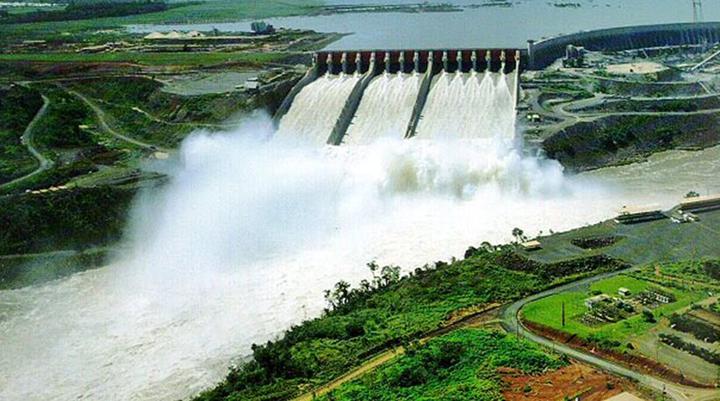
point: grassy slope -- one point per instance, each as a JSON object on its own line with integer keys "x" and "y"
{"x": 208, "y": 11}
{"x": 58, "y": 132}
{"x": 619, "y": 139}
{"x": 323, "y": 348}
{"x": 71, "y": 219}
{"x": 456, "y": 367}
{"x": 175, "y": 116}
{"x": 180, "y": 59}
{"x": 18, "y": 106}
{"x": 420, "y": 301}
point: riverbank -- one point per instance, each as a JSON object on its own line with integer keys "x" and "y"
{"x": 280, "y": 369}
{"x": 621, "y": 140}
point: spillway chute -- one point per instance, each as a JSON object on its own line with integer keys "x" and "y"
{"x": 365, "y": 83}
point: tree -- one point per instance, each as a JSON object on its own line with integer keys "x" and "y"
{"x": 339, "y": 296}
{"x": 390, "y": 274}
{"x": 519, "y": 235}
{"x": 648, "y": 316}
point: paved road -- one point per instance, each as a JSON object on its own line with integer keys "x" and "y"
{"x": 27, "y": 139}
{"x": 187, "y": 124}
{"x": 511, "y": 324}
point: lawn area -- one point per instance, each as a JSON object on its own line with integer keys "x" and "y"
{"x": 611, "y": 285}
{"x": 548, "y": 311}
{"x": 178, "y": 58}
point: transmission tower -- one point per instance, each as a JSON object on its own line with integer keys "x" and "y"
{"x": 697, "y": 11}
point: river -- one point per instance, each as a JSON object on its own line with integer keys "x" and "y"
{"x": 473, "y": 27}
{"x": 248, "y": 234}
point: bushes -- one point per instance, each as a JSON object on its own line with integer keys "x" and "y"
{"x": 69, "y": 219}
{"x": 18, "y": 106}
{"x": 514, "y": 261}
{"x": 594, "y": 242}
{"x": 388, "y": 311}
{"x": 60, "y": 127}
{"x": 701, "y": 330}
{"x": 613, "y": 140}
{"x": 22, "y": 271}
{"x": 459, "y": 366}
{"x": 679, "y": 343}
{"x": 712, "y": 269}
{"x": 85, "y": 10}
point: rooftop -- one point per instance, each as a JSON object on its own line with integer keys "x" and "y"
{"x": 700, "y": 199}
{"x": 642, "y": 209}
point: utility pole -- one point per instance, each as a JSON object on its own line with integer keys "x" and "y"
{"x": 563, "y": 314}
{"x": 697, "y": 11}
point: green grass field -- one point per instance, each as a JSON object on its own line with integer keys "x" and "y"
{"x": 180, "y": 58}
{"x": 548, "y": 311}
{"x": 201, "y": 12}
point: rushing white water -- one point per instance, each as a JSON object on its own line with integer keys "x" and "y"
{"x": 385, "y": 109}
{"x": 469, "y": 105}
{"x": 248, "y": 233}
{"x": 316, "y": 108}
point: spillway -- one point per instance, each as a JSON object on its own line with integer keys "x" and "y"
{"x": 385, "y": 110}
{"x": 368, "y": 94}
{"x": 315, "y": 110}
{"x": 468, "y": 105}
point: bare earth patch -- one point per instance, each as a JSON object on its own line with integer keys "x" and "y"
{"x": 574, "y": 380}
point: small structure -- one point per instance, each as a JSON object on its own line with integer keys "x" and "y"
{"x": 700, "y": 203}
{"x": 624, "y": 292}
{"x": 251, "y": 85}
{"x": 533, "y": 245}
{"x": 638, "y": 214}
{"x": 662, "y": 298}
{"x": 594, "y": 301}
{"x": 650, "y": 296}
{"x": 262, "y": 28}
{"x": 574, "y": 56}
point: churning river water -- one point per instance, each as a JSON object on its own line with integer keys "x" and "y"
{"x": 249, "y": 231}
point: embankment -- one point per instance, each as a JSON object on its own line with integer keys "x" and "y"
{"x": 616, "y": 140}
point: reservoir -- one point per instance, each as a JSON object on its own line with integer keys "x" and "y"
{"x": 478, "y": 24}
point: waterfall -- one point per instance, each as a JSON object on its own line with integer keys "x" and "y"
{"x": 385, "y": 109}
{"x": 316, "y": 108}
{"x": 468, "y": 105}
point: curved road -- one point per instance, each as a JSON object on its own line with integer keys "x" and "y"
{"x": 512, "y": 324}
{"x": 27, "y": 139}
{"x": 100, "y": 113}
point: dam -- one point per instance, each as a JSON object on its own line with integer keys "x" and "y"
{"x": 356, "y": 97}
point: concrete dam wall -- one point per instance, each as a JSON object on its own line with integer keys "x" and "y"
{"x": 354, "y": 97}
{"x": 544, "y": 52}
